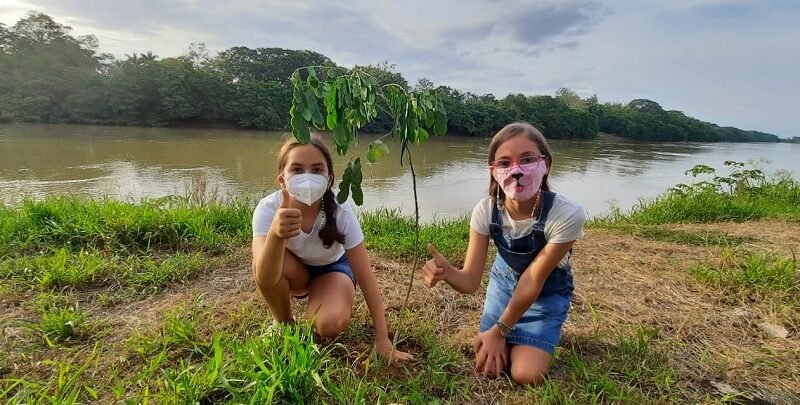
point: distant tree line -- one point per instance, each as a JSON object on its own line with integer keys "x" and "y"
{"x": 49, "y": 75}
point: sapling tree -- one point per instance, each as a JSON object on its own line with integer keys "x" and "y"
{"x": 343, "y": 101}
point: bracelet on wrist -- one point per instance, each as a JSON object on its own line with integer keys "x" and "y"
{"x": 505, "y": 330}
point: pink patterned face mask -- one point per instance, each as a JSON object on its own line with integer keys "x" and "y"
{"x": 519, "y": 183}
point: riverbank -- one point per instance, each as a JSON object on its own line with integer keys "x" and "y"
{"x": 104, "y": 301}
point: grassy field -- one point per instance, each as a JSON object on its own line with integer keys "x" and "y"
{"x": 691, "y": 298}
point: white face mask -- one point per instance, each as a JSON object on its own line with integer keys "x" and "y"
{"x": 307, "y": 188}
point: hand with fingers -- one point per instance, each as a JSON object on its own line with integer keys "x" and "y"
{"x": 491, "y": 353}
{"x": 286, "y": 223}
{"x": 386, "y": 349}
{"x": 436, "y": 269}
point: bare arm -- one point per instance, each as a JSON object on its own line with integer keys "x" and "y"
{"x": 365, "y": 277}
{"x": 465, "y": 280}
{"x": 366, "y": 280}
{"x": 532, "y": 280}
{"x": 267, "y": 259}
{"x": 268, "y": 250}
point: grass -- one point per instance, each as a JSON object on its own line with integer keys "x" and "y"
{"x": 67, "y": 387}
{"x": 722, "y": 199}
{"x": 753, "y": 276}
{"x": 677, "y": 236}
{"x": 94, "y": 280}
{"x": 63, "y": 268}
{"x": 631, "y": 370}
{"x": 389, "y": 232}
{"x": 171, "y": 224}
{"x": 138, "y": 248}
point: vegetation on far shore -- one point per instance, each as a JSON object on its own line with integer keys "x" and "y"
{"x": 52, "y": 76}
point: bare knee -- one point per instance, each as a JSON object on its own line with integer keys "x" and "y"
{"x": 528, "y": 374}
{"x": 331, "y": 325}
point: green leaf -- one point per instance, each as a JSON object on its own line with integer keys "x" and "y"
{"x": 370, "y": 80}
{"x": 358, "y": 195}
{"x": 311, "y": 100}
{"x": 440, "y": 127}
{"x": 356, "y": 176}
{"x": 344, "y": 192}
{"x": 353, "y": 140}
{"x": 377, "y": 150}
{"x": 306, "y": 114}
{"x": 312, "y": 79}
{"x": 344, "y": 185}
{"x": 319, "y": 120}
{"x": 347, "y": 94}
{"x": 331, "y": 120}
{"x": 330, "y": 97}
{"x": 413, "y": 124}
{"x": 383, "y": 149}
{"x": 430, "y": 120}
{"x": 92, "y": 392}
{"x": 340, "y": 135}
{"x": 300, "y": 129}
{"x": 422, "y": 135}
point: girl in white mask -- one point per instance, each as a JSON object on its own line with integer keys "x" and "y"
{"x": 305, "y": 244}
{"x": 530, "y": 285}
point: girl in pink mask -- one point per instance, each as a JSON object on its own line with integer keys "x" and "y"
{"x": 530, "y": 284}
{"x": 307, "y": 245}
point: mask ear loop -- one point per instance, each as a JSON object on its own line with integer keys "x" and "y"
{"x": 497, "y": 201}
{"x": 322, "y": 205}
{"x": 322, "y": 211}
{"x": 538, "y": 199}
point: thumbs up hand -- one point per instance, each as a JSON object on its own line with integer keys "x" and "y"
{"x": 436, "y": 269}
{"x": 286, "y": 223}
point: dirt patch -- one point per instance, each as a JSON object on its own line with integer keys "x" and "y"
{"x": 780, "y": 235}
{"x": 623, "y": 283}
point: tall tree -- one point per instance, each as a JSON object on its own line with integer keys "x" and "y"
{"x": 42, "y": 66}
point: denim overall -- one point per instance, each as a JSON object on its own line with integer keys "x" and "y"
{"x": 540, "y": 325}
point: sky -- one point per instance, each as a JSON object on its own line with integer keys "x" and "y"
{"x": 730, "y": 62}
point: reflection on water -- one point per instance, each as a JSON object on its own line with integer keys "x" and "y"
{"x": 120, "y": 162}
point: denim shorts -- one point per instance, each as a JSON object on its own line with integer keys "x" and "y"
{"x": 341, "y": 266}
{"x": 540, "y": 326}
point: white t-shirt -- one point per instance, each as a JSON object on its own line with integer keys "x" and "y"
{"x": 308, "y": 246}
{"x": 564, "y": 222}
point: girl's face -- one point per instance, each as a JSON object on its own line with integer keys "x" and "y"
{"x": 303, "y": 159}
{"x": 519, "y": 168}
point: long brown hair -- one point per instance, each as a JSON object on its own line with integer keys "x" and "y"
{"x": 329, "y": 232}
{"x": 507, "y": 132}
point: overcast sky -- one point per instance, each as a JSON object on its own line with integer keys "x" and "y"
{"x": 734, "y": 62}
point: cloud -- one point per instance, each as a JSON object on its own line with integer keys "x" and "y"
{"x": 539, "y": 23}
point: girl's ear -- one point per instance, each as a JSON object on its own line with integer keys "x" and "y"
{"x": 281, "y": 181}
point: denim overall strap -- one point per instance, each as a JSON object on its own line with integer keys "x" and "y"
{"x": 518, "y": 253}
{"x": 547, "y": 204}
